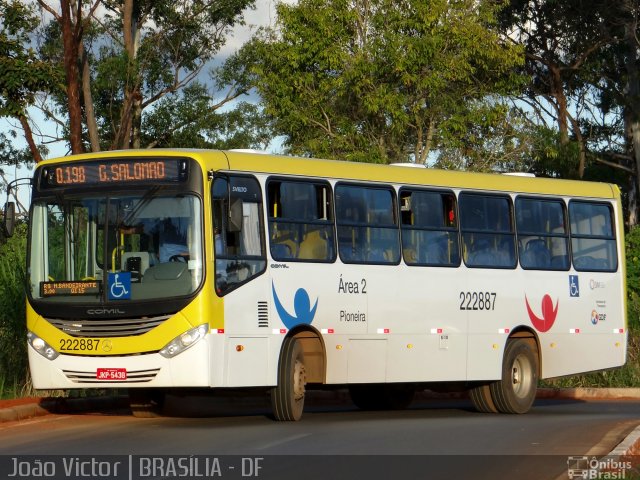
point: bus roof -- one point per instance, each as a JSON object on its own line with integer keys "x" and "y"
{"x": 245, "y": 161}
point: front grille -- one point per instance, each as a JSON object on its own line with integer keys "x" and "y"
{"x": 132, "y": 376}
{"x": 121, "y": 327}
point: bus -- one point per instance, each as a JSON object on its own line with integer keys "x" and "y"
{"x": 162, "y": 270}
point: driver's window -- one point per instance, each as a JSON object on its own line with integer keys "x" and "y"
{"x": 238, "y": 231}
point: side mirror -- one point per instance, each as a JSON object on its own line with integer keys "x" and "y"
{"x": 9, "y": 218}
{"x": 235, "y": 215}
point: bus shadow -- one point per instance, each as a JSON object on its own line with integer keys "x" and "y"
{"x": 242, "y": 404}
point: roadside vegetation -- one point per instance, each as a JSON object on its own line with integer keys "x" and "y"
{"x": 13, "y": 332}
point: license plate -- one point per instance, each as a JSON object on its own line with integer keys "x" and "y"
{"x": 111, "y": 374}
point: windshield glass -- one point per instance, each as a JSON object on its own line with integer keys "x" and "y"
{"x": 117, "y": 248}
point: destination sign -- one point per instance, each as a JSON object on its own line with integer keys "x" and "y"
{"x": 105, "y": 172}
{"x": 50, "y": 289}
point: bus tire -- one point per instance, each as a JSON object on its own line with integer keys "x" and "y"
{"x": 516, "y": 391}
{"x": 481, "y": 399}
{"x": 146, "y": 402}
{"x": 287, "y": 398}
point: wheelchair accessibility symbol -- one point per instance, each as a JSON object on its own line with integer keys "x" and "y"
{"x": 574, "y": 286}
{"x": 120, "y": 286}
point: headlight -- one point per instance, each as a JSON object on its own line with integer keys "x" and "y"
{"x": 184, "y": 341}
{"x": 42, "y": 347}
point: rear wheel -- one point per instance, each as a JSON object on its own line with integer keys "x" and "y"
{"x": 287, "y": 398}
{"x": 516, "y": 391}
{"x": 481, "y": 398}
{"x": 146, "y": 402}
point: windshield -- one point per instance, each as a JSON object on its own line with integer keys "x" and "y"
{"x": 117, "y": 248}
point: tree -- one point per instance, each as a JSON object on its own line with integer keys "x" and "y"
{"x": 165, "y": 45}
{"x": 621, "y": 93}
{"x": 116, "y": 59}
{"x": 564, "y": 42}
{"x": 192, "y": 119}
{"x": 382, "y": 80}
{"x": 582, "y": 59}
{"x": 72, "y": 22}
{"x": 150, "y": 49}
{"x": 23, "y": 73}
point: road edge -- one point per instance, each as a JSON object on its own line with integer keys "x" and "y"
{"x": 630, "y": 446}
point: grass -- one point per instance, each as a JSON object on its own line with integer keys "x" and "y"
{"x": 9, "y": 388}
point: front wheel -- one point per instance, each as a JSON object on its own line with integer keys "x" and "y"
{"x": 516, "y": 391}
{"x": 287, "y": 398}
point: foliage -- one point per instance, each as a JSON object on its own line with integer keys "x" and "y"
{"x": 23, "y": 73}
{"x": 100, "y": 68}
{"x": 584, "y": 86}
{"x": 12, "y": 156}
{"x": 505, "y": 143}
{"x": 13, "y": 333}
{"x": 382, "y": 81}
{"x": 190, "y": 119}
{"x": 632, "y": 241}
{"x": 176, "y": 40}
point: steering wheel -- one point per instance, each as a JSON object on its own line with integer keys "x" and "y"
{"x": 179, "y": 258}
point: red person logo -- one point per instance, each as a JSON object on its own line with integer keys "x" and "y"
{"x": 548, "y": 314}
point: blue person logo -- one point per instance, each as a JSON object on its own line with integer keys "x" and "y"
{"x": 301, "y": 307}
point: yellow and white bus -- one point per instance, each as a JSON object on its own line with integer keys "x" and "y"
{"x": 167, "y": 269}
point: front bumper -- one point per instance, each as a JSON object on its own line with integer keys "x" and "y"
{"x": 190, "y": 368}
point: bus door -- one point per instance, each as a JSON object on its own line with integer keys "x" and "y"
{"x": 239, "y": 252}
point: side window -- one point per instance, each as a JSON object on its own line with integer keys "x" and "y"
{"x": 543, "y": 240}
{"x": 486, "y": 223}
{"x": 429, "y": 228}
{"x": 300, "y": 221}
{"x": 367, "y": 225}
{"x": 593, "y": 243}
{"x": 237, "y": 222}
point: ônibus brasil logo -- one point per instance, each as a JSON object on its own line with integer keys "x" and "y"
{"x": 549, "y": 313}
{"x": 301, "y": 307}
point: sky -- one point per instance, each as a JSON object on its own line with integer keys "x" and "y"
{"x": 262, "y": 15}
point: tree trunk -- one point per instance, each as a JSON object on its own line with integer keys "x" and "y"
{"x": 632, "y": 116}
{"x": 92, "y": 125}
{"x": 561, "y": 102}
{"x": 632, "y": 206}
{"x": 71, "y": 72}
{"x": 131, "y": 121}
{"x": 28, "y": 135}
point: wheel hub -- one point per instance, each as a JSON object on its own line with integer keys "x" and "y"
{"x": 299, "y": 380}
{"x": 521, "y": 376}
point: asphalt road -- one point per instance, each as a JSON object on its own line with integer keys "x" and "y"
{"x": 432, "y": 439}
